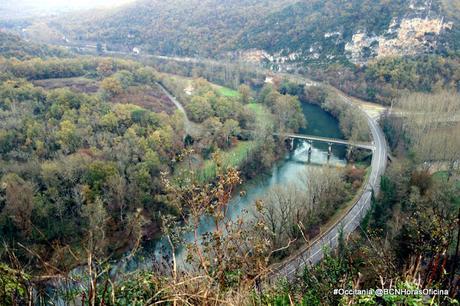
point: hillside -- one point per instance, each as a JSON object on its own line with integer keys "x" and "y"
{"x": 172, "y": 27}
{"x": 19, "y": 9}
{"x": 325, "y": 31}
{"x": 141, "y": 180}
{"x": 13, "y": 46}
{"x": 273, "y": 31}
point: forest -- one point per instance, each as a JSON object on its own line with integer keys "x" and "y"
{"x": 85, "y": 142}
{"x": 13, "y": 46}
{"x": 70, "y": 158}
{"x": 94, "y": 155}
{"x": 214, "y": 28}
{"x": 384, "y": 81}
{"x": 105, "y": 160}
{"x": 84, "y": 172}
{"x": 314, "y": 32}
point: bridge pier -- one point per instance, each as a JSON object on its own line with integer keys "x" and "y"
{"x": 289, "y": 144}
{"x": 362, "y": 145}
{"x": 349, "y": 152}
{"x": 309, "y": 150}
{"x": 329, "y": 151}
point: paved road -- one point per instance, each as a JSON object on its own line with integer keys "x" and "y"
{"x": 314, "y": 253}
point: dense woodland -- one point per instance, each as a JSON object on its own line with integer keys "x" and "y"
{"x": 410, "y": 239}
{"x": 84, "y": 142}
{"x": 211, "y": 28}
{"x": 12, "y": 46}
{"x": 174, "y": 27}
{"x": 222, "y": 29}
{"x": 384, "y": 81}
{"x": 303, "y": 25}
{"x": 72, "y": 159}
{"x": 88, "y": 145}
{"x": 96, "y": 162}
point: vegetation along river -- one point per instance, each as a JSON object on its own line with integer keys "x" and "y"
{"x": 286, "y": 171}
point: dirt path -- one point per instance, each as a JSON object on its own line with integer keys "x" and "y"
{"x": 191, "y": 128}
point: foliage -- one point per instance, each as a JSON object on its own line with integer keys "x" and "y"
{"x": 233, "y": 158}
{"x": 285, "y": 107}
{"x": 387, "y": 79}
{"x": 428, "y": 128}
{"x": 413, "y": 250}
{"x": 13, "y": 286}
{"x": 37, "y": 68}
{"x": 12, "y": 46}
{"x": 211, "y": 28}
{"x": 199, "y": 109}
{"x": 353, "y": 124}
{"x": 68, "y": 157}
{"x": 224, "y": 23}
{"x": 296, "y": 212}
{"x": 228, "y": 75}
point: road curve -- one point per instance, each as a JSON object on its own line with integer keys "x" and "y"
{"x": 313, "y": 253}
{"x": 191, "y": 128}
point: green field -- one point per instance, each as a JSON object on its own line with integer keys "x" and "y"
{"x": 237, "y": 155}
{"x": 232, "y": 158}
{"x": 259, "y": 109}
{"x": 263, "y": 115}
{"x": 227, "y": 92}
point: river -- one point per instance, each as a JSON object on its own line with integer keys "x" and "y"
{"x": 320, "y": 123}
{"x": 284, "y": 172}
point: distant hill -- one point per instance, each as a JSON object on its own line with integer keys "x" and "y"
{"x": 14, "y": 9}
{"x": 182, "y": 27}
{"x": 274, "y": 30}
{"x": 13, "y": 46}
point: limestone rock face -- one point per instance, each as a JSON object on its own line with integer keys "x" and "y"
{"x": 410, "y": 36}
{"x": 419, "y": 27}
{"x": 413, "y": 36}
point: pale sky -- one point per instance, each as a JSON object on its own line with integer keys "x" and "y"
{"x": 74, "y": 3}
{"x": 9, "y": 8}
{"x": 70, "y": 3}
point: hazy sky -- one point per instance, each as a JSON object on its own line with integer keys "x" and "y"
{"x": 74, "y": 3}
{"x": 11, "y": 8}
{"x": 69, "y": 3}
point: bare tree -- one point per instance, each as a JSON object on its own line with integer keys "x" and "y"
{"x": 291, "y": 211}
{"x": 431, "y": 125}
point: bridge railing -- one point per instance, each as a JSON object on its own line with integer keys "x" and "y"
{"x": 363, "y": 145}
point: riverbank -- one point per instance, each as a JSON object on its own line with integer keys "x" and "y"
{"x": 312, "y": 253}
{"x": 299, "y": 159}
